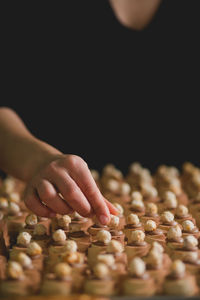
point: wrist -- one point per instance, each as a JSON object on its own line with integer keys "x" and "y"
{"x": 41, "y": 154}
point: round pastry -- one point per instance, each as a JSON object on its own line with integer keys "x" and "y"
{"x": 137, "y": 245}
{"x": 114, "y": 229}
{"x": 170, "y": 202}
{"x": 149, "y": 192}
{"x": 189, "y": 254}
{"x": 166, "y": 221}
{"x": 151, "y": 213}
{"x": 103, "y": 239}
{"x": 61, "y": 222}
{"x": 174, "y": 239}
{"x": 81, "y": 237}
{"x": 190, "y": 228}
{"x": 23, "y": 240}
{"x": 133, "y": 223}
{"x": 15, "y": 284}
{"x": 117, "y": 250}
{"x": 137, "y": 205}
{"x": 122, "y": 220}
{"x": 100, "y": 283}
{"x": 182, "y": 214}
{"x": 153, "y": 234}
{"x": 95, "y": 228}
{"x": 40, "y": 236}
{"x": 35, "y": 252}
{"x": 82, "y": 223}
{"x": 59, "y": 283}
{"x": 31, "y": 220}
{"x": 178, "y": 282}
{"x": 138, "y": 283}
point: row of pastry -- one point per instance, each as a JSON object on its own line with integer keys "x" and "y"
{"x": 151, "y": 247}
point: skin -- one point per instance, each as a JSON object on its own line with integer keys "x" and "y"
{"x": 56, "y": 182}
{"x": 135, "y": 14}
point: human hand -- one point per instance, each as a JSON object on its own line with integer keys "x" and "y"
{"x": 64, "y": 185}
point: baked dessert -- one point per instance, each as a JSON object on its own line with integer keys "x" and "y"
{"x": 67, "y": 255}
{"x": 166, "y": 221}
{"x": 59, "y": 282}
{"x": 138, "y": 282}
{"x": 99, "y": 246}
{"x": 81, "y": 237}
{"x": 137, "y": 245}
{"x": 115, "y": 232}
{"x": 15, "y": 283}
{"x": 136, "y": 206}
{"x": 182, "y": 214}
{"x": 151, "y": 213}
{"x": 99, "y": 282}
{"x": 153, "y": 234}
{"x": 189, "y": 228}
{"x": 178, "y": 282}
{"x": 174, "y": 239}
{"x": 189, "y": 254}
{"x": 132, "y": 223}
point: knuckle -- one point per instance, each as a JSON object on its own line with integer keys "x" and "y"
{"x": 74, "y": 161}
{"x": 90, "y": 191}
{"x": 98, "y": 206}
{"x": 72, "y": 194}
{"x": 51, "y": 167}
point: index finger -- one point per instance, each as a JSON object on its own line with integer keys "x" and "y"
{"x": 83, "y": 178}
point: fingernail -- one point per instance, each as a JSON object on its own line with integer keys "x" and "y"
{"x": 104, "y": 219}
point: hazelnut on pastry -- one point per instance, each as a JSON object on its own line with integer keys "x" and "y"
{"x": 59, "y": 236}
{"x": 23, "y": 239}
{"x": 31, "y": 220}
{"x": 14, "y": 270}
{"x": 34, "y": 249}
{"x": 64, "y": 221}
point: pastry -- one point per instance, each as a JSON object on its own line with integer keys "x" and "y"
{"x": 40, "y": 236}
{"x": 153, "y": 234}
{"x": 166, "y": 221}
{"x": 151, "y": 213}
{"x": 122, "y": 219}
{"x": 81, "y": 237}
{"x": 15, "y": 283}
{"x": 132, "y": 223}
{"x": 178, "y": 282}
{"x": 61, "y": 222}
{"x": 137, "y": 245}
{"x": 99, "y": 246}
{"x": 182, "y": 214}
{"x": 136, "y": 206}
{"x": 82, "y": 223}
{"x": 189, "y": 254}
{"x": 23, "y": 240}
{"x": 174, "y": 239}
{"x": 138, "y": 282}
{"x": 189, "y": 228}
{"x": 57, "y": 244}
{"x": 116, "y": 233}
{"x": 100, "y": 282}
{"x": 59, "y": 282}
{"x": 117, "y": 250}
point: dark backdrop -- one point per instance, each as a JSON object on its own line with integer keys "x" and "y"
{"x": 89, "y": 86}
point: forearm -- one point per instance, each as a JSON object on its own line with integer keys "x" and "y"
{"x": 21, "y": 154}
{"x": 135, "y": 14}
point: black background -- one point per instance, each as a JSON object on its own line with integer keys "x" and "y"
{"x": 89, "y": 86}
